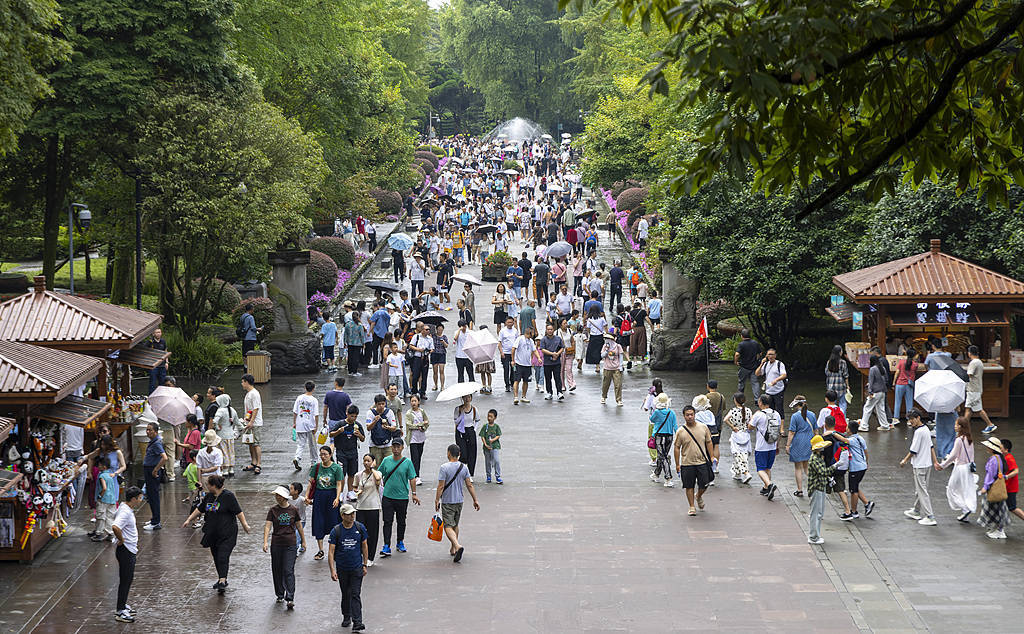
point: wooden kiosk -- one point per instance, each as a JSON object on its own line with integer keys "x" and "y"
{"x": 37, "y": 386}
{"x": 937, "y": 294}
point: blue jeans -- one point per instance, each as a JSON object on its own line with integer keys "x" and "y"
{"x": 904, "y": 396}
{"x": 945, "y": 433}
{"x": 157, "y": 376}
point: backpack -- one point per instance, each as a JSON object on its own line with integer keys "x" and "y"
{"x": 773, "y": 429}
{"x": 379, "y": 435}
{"x": 635, "y": 278}
{"x": 840, "y": 418}
{"x": 627, "y": 324}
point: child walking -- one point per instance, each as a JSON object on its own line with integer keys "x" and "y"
{"x": 109, "y": 492}
{"x": 817, "y": 479}
{"x": 490, "y": 436}
{"x": 923, "y": 459}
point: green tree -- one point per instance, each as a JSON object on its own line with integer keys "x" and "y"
{"x": 29, "y": 48}
{"x": 840, "y": 90}
{"x": 230, "y": 181}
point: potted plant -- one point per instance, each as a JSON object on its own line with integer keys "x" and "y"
{"x": 494, "y": 267}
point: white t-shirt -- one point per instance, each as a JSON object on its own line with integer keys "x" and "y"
{"x": 642, "y": 228}
{"x": 821, "y": 417}
{"x": 975, "y": 373}
{"x": 124, "y": 519}
{"x": 760, "y": 421}
{"x": 206, "y": 459}
{"x": 388, "y": 416}
{"x": 395, "y": 364}
{"x": 524, "y": 350}
{"x": 72, "y": 438}
{"x": 921, "y": 448}
{"x": 507, "y": 338}
{"x": 254, "y": 402}
{"x": 564, "y": 303}
{"x": 772, "y": 371}
{"x": 306, "y": 409}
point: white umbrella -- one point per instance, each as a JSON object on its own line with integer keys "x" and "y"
{"x": 554, "y": 187}
{"x": 509, "y": 148}
{"x": 545, "y": 136}
{"x": 558, "y": 249}
{"x": 457, "y": 391}
{"x": 171, "y": 404}
{"x": 939, "y": 391}
{"x": 467, "y": 278}
{"x": 480, "y": 346}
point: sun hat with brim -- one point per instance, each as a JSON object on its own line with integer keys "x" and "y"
{"x": 799, "y": 399}
{"x": 609, "y": 335}
{"x": 662, "y": 401}
{"x": 701, "y": 402}
{"x": 283, "y": 492}
{"x": 994, "y": 444}
{"x": 211, "y": 439}
{"x": 817, "y": 442}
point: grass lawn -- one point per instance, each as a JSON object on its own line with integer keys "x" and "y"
{"x": 99, "y": 275}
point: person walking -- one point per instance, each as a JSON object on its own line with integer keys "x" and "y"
{"x": 773, "y": 372}
{"x": 766, "y": 425}
{"x": 611, "y": 361}
{"x": 523, "y": 348}
{"x": 817, "y": 479}
{"x": 368, "y": 502}
{"x": 747, "y": 356}
{"x": 738, "y": 420}
{"x": 490, "y": 437}
{"x": 597, "y": 327}
{"x": 568, "y": 338}
{"x": 663, "y": 427}
{"x": 355, "y": 338}
{"x": 692, "y": 452}
{"x": 152, "y": 463}
{"x": 253, "y": 423}
{"x": 466, "y": 420}
{"x": 994, "y": 514}
{"x": 398, "y": 478}
{"x": 875, "y": 402}
{"x": 279, "y": 539}
{"x": 507, "y": 337}
{"x": 248, "y": 330}
{"x": 973, "y": 405}
{"x": 922, "y": 458}
{"x": 837, "y": 375}
{"x": 305, "y": 422}
{"x": 416, "y": 422}
{"x": 126, "y": 534}
{"x": 346, "y": 435}
{"x": 326, "y": 483}
{"x": 329, "y": 340}
{"x": 381, "y": 422}
{"x": 858, "y": 469}
{"x": 225, "y": 422}
{"x": 801, "y": 428}
{"x": 220, "y": 530}
{"x": 837, "y": 456}
{"x": 906, "y": 374}
{"x": 960, "y": 492}
{"x": 348, "y": 561}
{"x": 945, "y": 422}
{"x": 420, "y": 346}
{"x": 553, "y": 348}
{"x": 450, "y": 497}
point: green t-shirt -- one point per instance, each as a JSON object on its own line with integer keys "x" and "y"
{"x": 397, "y": 486}
{"x": 327, "y": 477}
{"x": 490, "y": 431}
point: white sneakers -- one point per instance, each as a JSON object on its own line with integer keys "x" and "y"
{"x": 654, "y": 478}
{"x": 996, "y": 534}
{"x": 912, "y": 514}
{"x": 669, "y": 483}
{"x": 927, "y": 521}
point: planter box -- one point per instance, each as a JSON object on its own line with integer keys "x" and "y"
{"x": 493, "y": 273}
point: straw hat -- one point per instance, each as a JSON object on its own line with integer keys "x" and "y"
{"x": 817, "y": 442}
{"x": 662, "y": 401}
{"x": 283, "y": 492}
{"x": 701, "y": 402}
{"x": 210, "y": 438}
{"x": 994, "y": 444}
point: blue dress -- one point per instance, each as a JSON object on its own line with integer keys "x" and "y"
{"x": 800, "y": 449}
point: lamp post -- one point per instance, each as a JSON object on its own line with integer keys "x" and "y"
{"x": 84, "y": 219}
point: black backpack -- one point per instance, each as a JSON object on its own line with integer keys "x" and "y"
{"x": 378, "y": 434}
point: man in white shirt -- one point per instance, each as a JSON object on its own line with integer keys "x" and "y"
{"x": 506, "y": 340}
{"x": 923, "y": 459}
{"x": 523, "y": 355}
{"x": 642, "y": 230}
{"x": 126, "y": 532}
{"x": 463, "y": 364}
{"x": 563, "y": 302}
{"x": 765, "y": 450}
{"x": 72, "y": 440}
{"x": 421, "y": 345}
{"x": 305, "y": 417}
{"x": 253, "y": 422}
{"x": 975, "y": 374}
{"x": 774, "y": 373}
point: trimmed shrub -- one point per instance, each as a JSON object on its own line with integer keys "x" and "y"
{"x": 425, "y": 165}
{"x": 224, "y": 298}
{"x": 427, "y": 156}
{"x": 419, "y": 174}
{"x": 510, "y": 164}
{"x": 620, "y": 186}
{"x": 437, "y": 150}
{"x": 321, "y": 274}
{"x": 339, "y": 249}
{"x": 264, "y": 314}
{"x": 387, "y": 202}
{"x": 632, "y": 199}
{"x": 199, "y": 356}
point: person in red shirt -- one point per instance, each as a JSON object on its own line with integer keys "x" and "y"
{"x": 1012, "y": 484}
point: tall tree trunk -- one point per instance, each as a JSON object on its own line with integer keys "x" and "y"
{"x": 58, "y": 174}
{"x": 88, "y": 263}
{"x": 165, "y": 273}
{"x": 122, "y": 274}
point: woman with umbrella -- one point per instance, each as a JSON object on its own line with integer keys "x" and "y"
{"x": 220, "y": 530}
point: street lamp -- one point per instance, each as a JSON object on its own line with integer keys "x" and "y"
{"x": 84, "y": 219}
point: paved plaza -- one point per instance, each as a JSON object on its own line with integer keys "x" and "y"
{"x": 578, "y": 539}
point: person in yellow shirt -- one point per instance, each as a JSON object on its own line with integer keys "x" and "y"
{"x": 458, "y": 245}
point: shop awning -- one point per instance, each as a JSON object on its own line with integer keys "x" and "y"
{"x": 34, "y": 374}
{"x": 73, "y": 410}
{"x": 948, "y": 318}
{"x": 146, "y": 358}
{"x": 844, "y": 312}
{"x": 6, "y": 425}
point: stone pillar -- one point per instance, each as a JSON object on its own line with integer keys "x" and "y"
{"x": 289, "y": 273}
{"x": 678, "y": 296}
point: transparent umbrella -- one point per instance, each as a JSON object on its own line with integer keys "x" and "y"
{"x": 939, "y": 391}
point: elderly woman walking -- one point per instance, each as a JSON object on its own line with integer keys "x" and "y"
{"x": 663, "y": 425}
{"x": 994, "y": 513}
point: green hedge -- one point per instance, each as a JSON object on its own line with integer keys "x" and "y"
{"x": 339, "y": 249}
{"x": 200, "y": 356}
{"x": 321, "y": 274}
{"x": 427, "y": 156}
{"x": 387, "y": 202}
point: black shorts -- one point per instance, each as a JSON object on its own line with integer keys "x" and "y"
{"x": 1011, "y": 501}
{"x": 691, "y": 475}
{"x": 349, "y": 461}
{"x": 855, "y": 478}
{"x": 523, "y": 373}
{"x": 328, "y": 352}
{"x": 840, "y": 479}
{"x": 436, "y": 358}
{"x": 716, "y": 434}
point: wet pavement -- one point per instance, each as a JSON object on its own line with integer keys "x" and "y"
{"x": 577, "y": 539}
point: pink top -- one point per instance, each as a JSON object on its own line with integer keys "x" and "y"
{"x": 904, "y": 375}
{"x": 963, "y": 453}
{"x": 611, "y": 356}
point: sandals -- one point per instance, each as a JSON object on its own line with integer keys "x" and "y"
{"x": 798, "y": 494}
{"x": 692, "y": 512}
{"x": 257, "y": 470}
{"x": 700, "y": 503}
{"x": 249, "y": 468}
{"x": 319, "y": 555}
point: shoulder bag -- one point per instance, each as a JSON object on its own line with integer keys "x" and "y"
{"x": 390, "y": 473}
{"x": 707, "y": 458}
{"x": 997, "y": 492}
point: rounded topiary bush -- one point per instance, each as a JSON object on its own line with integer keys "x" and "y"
{"x": 264, "y": 314}
{"x": 425, "y": 165}
{"x": 620, "y": 186}
{"x": 224, "y": 298}
{"x": 321, "y": 273}
{"x": 436, "y": 150}
{"x": 387, "y": 202}
{"x": 631, "y": 199}
{"x": 419, "y": 175}
{"x": 428, "y": 156}
{"x": 339, "y": 249}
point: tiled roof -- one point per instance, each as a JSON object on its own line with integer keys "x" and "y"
{"x": 27, "y": 370}
{"x": 932, "y": 275}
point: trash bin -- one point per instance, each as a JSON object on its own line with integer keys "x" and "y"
{"x": 257, "y": 363}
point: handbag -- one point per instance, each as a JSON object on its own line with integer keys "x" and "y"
{"x": 321, "y": 438}
{"x": 651, "y": 443}
{"x": 997, "y": 492}
{"x": 436, "y": 529}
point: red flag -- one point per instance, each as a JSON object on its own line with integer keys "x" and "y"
{"x": 702, "y": 334}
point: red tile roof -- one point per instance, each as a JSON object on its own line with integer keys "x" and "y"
{"x": 932, "y": 275}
